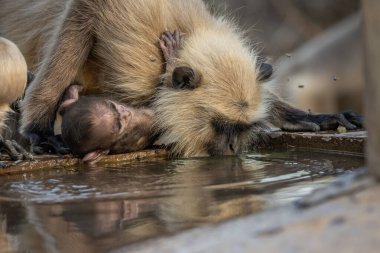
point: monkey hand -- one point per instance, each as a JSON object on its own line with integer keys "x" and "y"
{"x": 42, "y": 143}
{"x": 349, "y": 120}
{"x": 178, "y": 77}
{"x": 15, "y": 151}
{"x": 301, "y": 121}
{"x": 289, "y": 118}
{"x": 170, "y": 43}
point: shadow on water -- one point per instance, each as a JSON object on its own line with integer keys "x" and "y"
{"x": 100, "y": 209}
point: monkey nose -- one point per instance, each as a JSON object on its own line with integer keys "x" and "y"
{"x": 233, "y": 146}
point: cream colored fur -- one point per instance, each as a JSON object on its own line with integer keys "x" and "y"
{"x": 120, "y": 58}
{"x": 13, "y": 75}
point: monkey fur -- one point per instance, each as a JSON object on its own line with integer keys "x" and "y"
{"x": 92, "y": 126}
{"x": 111, "y": 47}
{"x": 13, "y": 76}
{"x": 13, "y": 79}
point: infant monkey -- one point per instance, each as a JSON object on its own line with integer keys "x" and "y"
{"x": 92, "y": 126}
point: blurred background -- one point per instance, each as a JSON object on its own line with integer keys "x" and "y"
{"x": 315, "y": 47}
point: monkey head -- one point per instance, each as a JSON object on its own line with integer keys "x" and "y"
{"x": 92, "y": 126}
{"x": 211, "y": 97}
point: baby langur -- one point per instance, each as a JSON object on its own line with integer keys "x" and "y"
{"x": 13, "y": 79}
{"x": 93, "y": 126}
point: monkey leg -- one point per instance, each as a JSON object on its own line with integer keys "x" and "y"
{"x": 68, "y": 52}
{"x": 289, "y": 118}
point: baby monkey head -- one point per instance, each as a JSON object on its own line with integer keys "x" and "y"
{"x": 92, "y": 126}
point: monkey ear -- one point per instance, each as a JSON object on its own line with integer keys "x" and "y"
{"x": 67, "y": 103}
{"x": 184, "y": 78}
{"x": 71, "y": 96}
{"x": 265, "y": 72}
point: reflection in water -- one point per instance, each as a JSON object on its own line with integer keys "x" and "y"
{"x": 99, "y": 209}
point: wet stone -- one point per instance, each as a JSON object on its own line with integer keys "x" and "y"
{"x": 353, "y": 141}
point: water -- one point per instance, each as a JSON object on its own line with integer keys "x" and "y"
{"x": 100, "y": 209}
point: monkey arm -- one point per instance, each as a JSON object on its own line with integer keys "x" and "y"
{"x": 69, "y": 49}
{"x": 288, "y": 118}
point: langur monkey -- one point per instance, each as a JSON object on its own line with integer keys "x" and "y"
{"x": 210, "y": 101}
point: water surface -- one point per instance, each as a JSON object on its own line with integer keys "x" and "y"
{"x": 103, "y": 208}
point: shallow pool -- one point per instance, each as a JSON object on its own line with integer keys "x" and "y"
{"x": 102, "y": 208}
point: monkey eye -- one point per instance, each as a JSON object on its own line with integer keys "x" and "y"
{"x": 117, "y": 117}
{"x": 265, "y": 72}
{"x": 118, "y": 124}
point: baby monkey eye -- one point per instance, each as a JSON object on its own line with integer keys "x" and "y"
{"x": 117, "y": 117}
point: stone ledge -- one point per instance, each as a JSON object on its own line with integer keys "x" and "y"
{"x": 343, "y": 142}
{"x": 50, "y": 161}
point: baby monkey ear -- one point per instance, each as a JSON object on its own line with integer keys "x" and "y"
{"x": 265, "y": 72}
{"x": 67, "y": 103}
{"x": 185, "y": 78}
{"x": 71, "y": 96}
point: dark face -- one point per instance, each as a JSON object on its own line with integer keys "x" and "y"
{"x": 227, "y": 136}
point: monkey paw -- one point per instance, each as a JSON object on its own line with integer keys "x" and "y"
{"x": 323, "y": 122}
{"x": 349, "y": 120}
{"x": 47, "y": 144}
{"x": 169, "y": 44}
{"x": 15, "y": 151}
